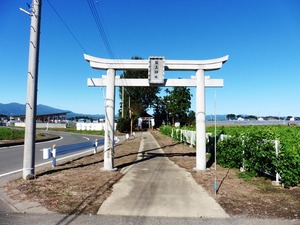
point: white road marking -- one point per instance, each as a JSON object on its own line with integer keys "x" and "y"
{"x": 37, "y": 143}
{"x": 45, "y": 163}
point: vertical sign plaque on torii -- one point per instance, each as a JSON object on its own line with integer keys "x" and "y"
{"x": 156, "y": 70}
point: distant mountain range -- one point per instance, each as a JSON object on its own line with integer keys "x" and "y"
{"x": 17, "y": 109}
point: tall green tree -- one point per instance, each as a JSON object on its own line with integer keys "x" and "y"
{"x": 231, "y": 117}
{"x": 136, "y": 99}
{"x": 179, "y": 103}
{"x": 161, "y": 113}
{"x": 191, "y": 118}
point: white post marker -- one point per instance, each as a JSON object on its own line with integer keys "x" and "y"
{"x": 96, "y": 144}
{"x": 277, "y": 146}
{"x": 156, "y": 67}
{"x": 53, "y": 156}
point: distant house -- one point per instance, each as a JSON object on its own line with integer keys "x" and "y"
{"x": 147, "y": 120}
{"x": 260, "y": 119}
{"x": 240, "y": 119}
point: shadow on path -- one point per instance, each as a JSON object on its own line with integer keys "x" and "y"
{"x": 148, "y": 154}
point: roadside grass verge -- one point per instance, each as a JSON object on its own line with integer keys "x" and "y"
{"x": 7, "y": 133}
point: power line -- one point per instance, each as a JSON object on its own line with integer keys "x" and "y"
{"x": 67, "y": 27}
{"x": 101, "y": 29}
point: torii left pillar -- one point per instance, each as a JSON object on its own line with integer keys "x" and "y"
{"x": 109, "y": 121}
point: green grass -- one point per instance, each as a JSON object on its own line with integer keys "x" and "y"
{"x": 246, "y": 176}
{"x": 7, "y": 133}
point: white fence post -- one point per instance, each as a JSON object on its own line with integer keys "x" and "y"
{"x": 53, "y": 156}
{"x": 277, "y": 142}
{"x": 243, "y": 163}
{"x": 116, "y": 140}
{"x": 192, "y": 138}
{"x": 96, "y": 144}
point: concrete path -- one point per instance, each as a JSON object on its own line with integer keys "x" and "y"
{"x": 155, "y": 186}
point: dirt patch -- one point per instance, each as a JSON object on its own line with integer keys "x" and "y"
{"x": 78, "y": 186}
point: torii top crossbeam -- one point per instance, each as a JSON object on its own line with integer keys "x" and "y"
{"x": 191, "y": 65}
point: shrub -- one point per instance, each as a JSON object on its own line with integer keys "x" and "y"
{"x": 253, "y": 147}
{"x": 123, "y": 125}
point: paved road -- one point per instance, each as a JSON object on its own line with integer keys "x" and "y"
{"x": 11, "y": 158}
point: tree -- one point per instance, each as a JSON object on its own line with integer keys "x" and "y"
{"x": 231, "y": 117}
{"x": 252, "y": 117}
{"x": 191, "y": 118}
{"x": 161, "y": 114}
{"x": 179, "y": 103}
{"x": 137, "y": 99}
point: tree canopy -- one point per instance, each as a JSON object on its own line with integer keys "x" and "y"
{"x": 136, "y": 100}
{"x": 174, "y": 107}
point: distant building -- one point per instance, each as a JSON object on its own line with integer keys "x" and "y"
{"x": 52, "y": 120}
{"x": 240, "y": 119}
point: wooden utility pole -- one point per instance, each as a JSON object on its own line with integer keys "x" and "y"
{"x": 32, "y": 82}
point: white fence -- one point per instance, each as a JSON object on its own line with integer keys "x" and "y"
{"x": 90, "y": 126}
{"x": 189, "y": 137}
{"x": 43, "y": 125}
{"x": 186, "y": 136}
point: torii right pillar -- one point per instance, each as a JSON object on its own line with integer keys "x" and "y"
{"x": 200, "y": 122}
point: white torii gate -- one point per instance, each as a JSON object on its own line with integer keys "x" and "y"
{"x": 155, "y": 65}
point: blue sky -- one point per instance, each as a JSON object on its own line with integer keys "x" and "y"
{"x": 262, "y": 39}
